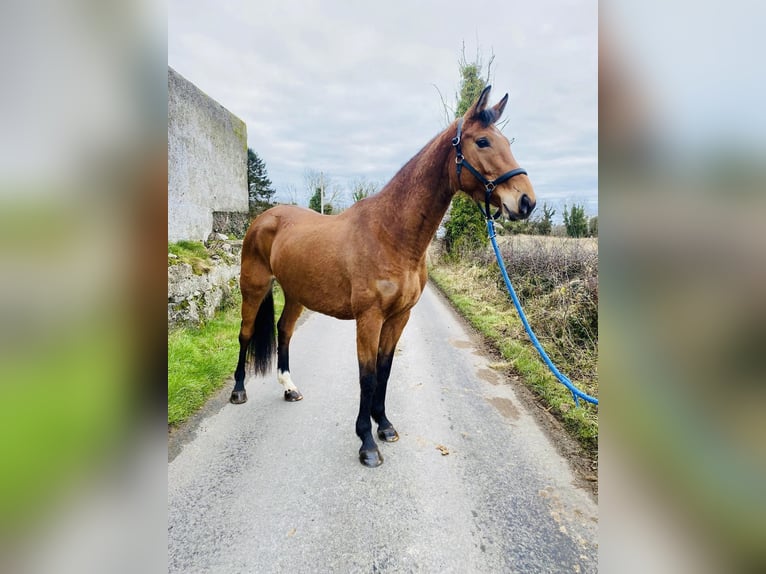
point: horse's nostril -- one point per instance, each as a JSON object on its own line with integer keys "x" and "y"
{"x": 525, "y": 206}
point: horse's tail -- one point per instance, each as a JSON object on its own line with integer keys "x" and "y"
{"x": 260, "y": 350}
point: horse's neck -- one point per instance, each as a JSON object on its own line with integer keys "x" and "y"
{"x": 416, "y": 199}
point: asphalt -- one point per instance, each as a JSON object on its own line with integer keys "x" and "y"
{"x": 271, "y": 486}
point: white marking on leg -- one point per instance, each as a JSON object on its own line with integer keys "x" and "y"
{"x": 285, "y": 380}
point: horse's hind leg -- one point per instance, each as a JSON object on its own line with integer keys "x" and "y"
{"x": 285, "y": 329}
{"x": 256, "y": 334}
{"x": 389, "y": 336}
{"x": 238, "y": 394}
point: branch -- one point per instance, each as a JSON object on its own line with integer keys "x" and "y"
{"x": 447, "y": 115}
{"x": 489, "y": 67}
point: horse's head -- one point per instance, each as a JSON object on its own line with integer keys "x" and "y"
{"x": 488, "y": 166}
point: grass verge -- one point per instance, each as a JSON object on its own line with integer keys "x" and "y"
{"x": 201, "y": 359}
{"x": 491, "y": 312}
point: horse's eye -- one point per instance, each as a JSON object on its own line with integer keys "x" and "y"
{"x": 482, "y": 142}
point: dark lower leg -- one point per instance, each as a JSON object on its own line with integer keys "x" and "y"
{"x": 389, "y": 336}
{"x": 386, "y": 430}
{"x": 379, "y": 397}
{"x": 367, "y": 344}
{"x": 238, "y": 395}
{"x": 283, "y": 355}
{"x": 368, "y": 453}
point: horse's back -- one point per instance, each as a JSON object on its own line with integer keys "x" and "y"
{"x": 265, "y": 228}
{"x": 279, "y": 215}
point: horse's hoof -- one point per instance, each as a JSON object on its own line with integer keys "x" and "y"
{"x": 370, "y": 458}
{"x": 388, "y": 434}
{"x": 238, "y": 397}
{"x": 293, "y": 395}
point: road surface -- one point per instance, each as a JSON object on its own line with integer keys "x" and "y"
{"x": 270, "y": 486}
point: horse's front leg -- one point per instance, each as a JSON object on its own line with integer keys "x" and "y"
{"x": 367, "y": 339}
{"x": 389, "y": 337}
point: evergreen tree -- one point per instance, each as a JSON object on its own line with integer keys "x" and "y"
{"x": 593, "y": 226}
{"x": 260, "y": 193}
{"x": 322, "y": 191}
{"x": 545, "y": 225}
{"x": 575, "y": 221}
{"x": 465, "y": 229}
{"x": 315, "y": 202}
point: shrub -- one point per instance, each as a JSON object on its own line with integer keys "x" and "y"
{"x": 593, "y": 226}
{"x": 556, "y": 281}
{"x": 575, "y": 221}
{"x": 465, "y": 230}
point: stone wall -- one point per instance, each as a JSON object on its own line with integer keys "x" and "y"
{"x": 231, "y": 223}
{"x": 193, "y": 298}
{"x": 207, "y": 160}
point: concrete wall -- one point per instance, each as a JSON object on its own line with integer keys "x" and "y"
{"x": 207, "y": 160}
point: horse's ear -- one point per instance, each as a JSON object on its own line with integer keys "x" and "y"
{"x": 481, "y": 103}
{"x": 499, "y": 107}
{"x": 480, "y": 112}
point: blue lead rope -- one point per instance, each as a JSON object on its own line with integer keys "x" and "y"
{"x": 562, "y": 378}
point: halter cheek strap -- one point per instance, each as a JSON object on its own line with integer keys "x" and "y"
{"x": 489, "y": 186}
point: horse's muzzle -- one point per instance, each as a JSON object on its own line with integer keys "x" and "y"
{"x": 526, "y": 206}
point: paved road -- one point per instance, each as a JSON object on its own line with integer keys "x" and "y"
{"x": 270, "y": 486}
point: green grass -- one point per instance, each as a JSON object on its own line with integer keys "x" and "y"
{"x": 192, "y": 252}
{"x": 489, "y": 310}
{"x": 201, "y": 359}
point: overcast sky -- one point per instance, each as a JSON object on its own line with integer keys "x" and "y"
{"x": 350, "y": 88}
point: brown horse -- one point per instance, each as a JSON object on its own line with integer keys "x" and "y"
{"x": 368, "y": 263}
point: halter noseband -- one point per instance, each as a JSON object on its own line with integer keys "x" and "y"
{"x": 489, "y": 186}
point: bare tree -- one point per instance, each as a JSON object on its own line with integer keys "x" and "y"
{"x": 291, "y": 192}
{"x": 320, "y": 184}
{"x": 361, "y": 187}
{"x": 449, "y": 111}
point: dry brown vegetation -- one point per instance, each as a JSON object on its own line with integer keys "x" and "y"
{"x": 556, "y": 279}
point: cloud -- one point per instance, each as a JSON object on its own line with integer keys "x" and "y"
{"x": 349, "y": 89}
